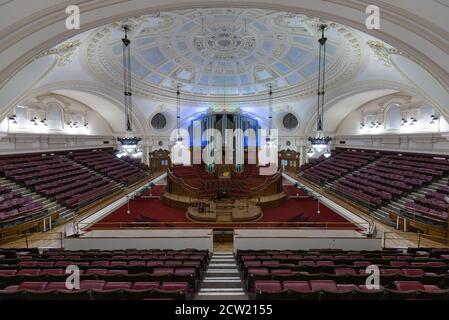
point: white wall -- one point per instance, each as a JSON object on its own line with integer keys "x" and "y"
{"x": 302, "y": 239}
{"x": 176, "y": 239}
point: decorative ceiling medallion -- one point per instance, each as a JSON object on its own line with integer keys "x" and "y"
{"x": 212, "y": 50}
{"x": 64, "y": 51}
{"x": 225, "y": 42}
{"x": 380, "y": 51}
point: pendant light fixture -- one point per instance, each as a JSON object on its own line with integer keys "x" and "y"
{"x": 320, "y": 143}
{"x": 129, "y": 143}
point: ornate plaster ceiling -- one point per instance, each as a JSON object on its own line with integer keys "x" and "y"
{"x": 212, "y": 52}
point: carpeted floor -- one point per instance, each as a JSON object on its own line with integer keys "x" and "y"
{"x": 293, "y": 213}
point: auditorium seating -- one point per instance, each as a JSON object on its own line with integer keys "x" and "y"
{"x": 338, "y": 165}
{"x": 374, "y": 179}
{"x": 57, "y": 178}
{"x": 96, "y": 290}
{"x": 154, "y": 271}
{"x": 110, "y": 166}
{"x": 14, "y": 205}
{"x": 338, "y": 274}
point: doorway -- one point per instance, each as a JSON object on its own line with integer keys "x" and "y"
{"x": 223, "y": 240}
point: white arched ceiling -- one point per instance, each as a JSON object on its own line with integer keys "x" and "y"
{"x": 22, "y": 81}
{"x": 111, "y": 112}
{"x": 414, "y": 26}
{"x": 39, "y": 26}
{"x": 424, "y": 80}
{"x": 338, "y": 111}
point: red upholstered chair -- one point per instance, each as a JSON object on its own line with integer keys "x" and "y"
{"x": 45, "y": 263}
{"x": 389, "y": 272}
{"x": 145, "y": 285}
{"x": 162, "y": 271}
{"x": 28, "y": 272}
{"x": 399, "y": 264}
{"x": 172, "y": 263}
{"x": 53, "y": 272}
{"x": 117, "y": 285}
{"x": 270, "y": 263}
{"x": 408, "y": 285}
{"x": 8, "y": 272}
{"x": 308, "y": 263}
{"x": 302, "y": 286}
{"x": 92, "y": 284}
{"x": 365, "y": 288}
{"x": 96, "y": 271}
{"x": 328, "y": 285}
{"x": 184, "y": 271}
{"x": 413, "y": 272}
{"x": 259, "y": 271}
{"x": 281, "y": 272}
{"x": 27, "y": 263}
{"x": 361, "y": 263}
{"x": 253, "y": 264}
{"x": 345, "y": 271}
{"x": 436, "y": 264}
{"x": 36, "y": 286}
{"x": 56, "y": 286}
{"x": 268, "y": 285}
{"x": 118, "y": 272}
{"x": 154, "y": 263}
{"x": 100, "y": 263}
{"x": 346, "y": 287}
{"x": 174, "y": 286}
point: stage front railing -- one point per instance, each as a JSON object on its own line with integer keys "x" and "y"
{"x": 330, "y": 225}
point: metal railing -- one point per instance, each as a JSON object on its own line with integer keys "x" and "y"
{"x": 329, "y": 225}
{"x": 413, "y": 240}
{"x": 32, "y": 240}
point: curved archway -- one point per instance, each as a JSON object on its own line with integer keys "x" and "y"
{"x": 424, "y": 43}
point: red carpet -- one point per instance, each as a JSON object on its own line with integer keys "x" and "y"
{"x": 293, "y": 213}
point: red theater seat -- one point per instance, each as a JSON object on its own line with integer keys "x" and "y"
{"x": 96, "y": 271}
{"x": 56, "y": 286}
{"x": 174, "y": 286}
{"x": 328, "y": 285}
{"x": 8, "y": 272}
{"x": 117, "y": 285}
{"x": 345, "y": 271}
{"x": 28, "y": 272}
{"x": 145, "y": 285}
{"x": 163, "y": 271}
{"x": 55, "y": 272}
{"x": 299, "y": 286}
{"x": 92, "y": 284}
{"x": 268, "y": 285}
{"x": 35, "y": 286}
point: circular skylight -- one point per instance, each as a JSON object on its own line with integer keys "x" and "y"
{"x": 212, "y": 52}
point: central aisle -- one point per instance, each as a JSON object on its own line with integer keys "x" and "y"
{"x": 222, "y": 280}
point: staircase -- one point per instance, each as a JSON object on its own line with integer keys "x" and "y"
{"x": 222, "y": 279}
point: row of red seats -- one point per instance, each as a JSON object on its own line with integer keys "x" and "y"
{"x": 110, "y": 166}
{"x": 329, "y": 289}
{"x": 96, "y": 290}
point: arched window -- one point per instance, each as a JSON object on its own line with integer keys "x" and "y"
{"x": 55, "y": 116}
{"x": 393, "y": 117}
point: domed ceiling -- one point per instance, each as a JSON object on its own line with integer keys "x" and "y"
{"x": 212, "y": 52}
